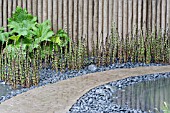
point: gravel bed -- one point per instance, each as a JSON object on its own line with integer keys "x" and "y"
{"x": 48, "y": 76}
{"x": 101, "y": 100}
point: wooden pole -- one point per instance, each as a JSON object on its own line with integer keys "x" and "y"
{"x": 54, "y": 15}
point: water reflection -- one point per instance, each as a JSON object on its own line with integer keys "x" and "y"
{"x": 145, "y": 95}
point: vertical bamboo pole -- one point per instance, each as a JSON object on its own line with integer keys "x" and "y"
{"x": 158, "y": 15}
{"x": 24, "y": 3}
{"x": 85, "y": 18}
{"x": 153, "y": 16}
{"x": 139, "y": 30}
{"x": 139, "y": 15}
{"x": 75, "y": 30}
{"x": 100, "y": 34}
{"x": 120, "y": 27}
{"x": 14, "y": 2}
{"x": 29, "y": 6}
{"x": 40, "y": 11}
{"x": 125, "y": 26}
{"x": 120, "y": 18}
{"x": 5, "y": 7}
{"x": 130, "y": 19}
{"x": 50, "y": 10}
{"x": 105, "y": 19}
{"x": 65, "y": 15}
{"x": 149, "y": 13}
{"x": 90, "y": 25}
{"x": 70, "y": 22}
{"x": 45, "y": 10}
{"x": 163, "y": 16}
{"x": 54, "y": 15}
{"x": 80, "y": 19}
{"x": 60, "y": 21}
{"x": 110, "y": 12}
{"x": 168, "y": 15}
{"x": 163, "y": 27}
{"x": 20, "y": 3}
{"x": 95, "y": 21}
{"x": 144, "y": 17}
{"x": 34, "y": 7}
{"x": 1, "y": 17}
{"x": 154, "y": 27}
{"x": 168, "y": 22}
{"x": 130, "y": 13}
{"x": 115, "y": 13}
{"x": 80, "y": 33}
{"x": 9, "y": 8}
{"x": 125, "y": 18}
{"x": 135, "y": 15}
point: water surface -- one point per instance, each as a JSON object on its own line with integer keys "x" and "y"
{"x": 146, "y": 95}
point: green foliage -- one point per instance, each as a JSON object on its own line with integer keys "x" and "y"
{"x": 3, "y": 35}
{"x": 26, "y": 32}
{"x": 20, "y": 15}
{"x": 30, "y": 46}
{"x": 23, "y": 28}
{"x": 27, "y": 43}
{"x": 21, "y": 23}
{"x": 61, "y": 38}
{"x": 164, "y": 108}
{"x": 42, "y": 32}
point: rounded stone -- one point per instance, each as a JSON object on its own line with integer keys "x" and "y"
{"x": 92, "y": 68}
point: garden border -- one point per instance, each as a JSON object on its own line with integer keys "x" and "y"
{"x": 60, "y": 96}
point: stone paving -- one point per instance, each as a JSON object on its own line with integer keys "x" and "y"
{"x": 60, "y": 96}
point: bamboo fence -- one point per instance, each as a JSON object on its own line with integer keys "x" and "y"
{"x": 93, "y": 19}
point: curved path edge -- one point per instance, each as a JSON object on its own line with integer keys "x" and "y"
{"x": 60, "y": 96}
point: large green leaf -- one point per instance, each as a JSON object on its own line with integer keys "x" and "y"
{"x": 24, "y": 28}
{"x": 43, "y": 31}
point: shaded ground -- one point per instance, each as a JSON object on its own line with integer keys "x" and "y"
{"x": 60, "y": 96}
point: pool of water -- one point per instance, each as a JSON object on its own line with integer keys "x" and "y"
{"x": 146, "y": 95}
{"x": 4, "y": 89}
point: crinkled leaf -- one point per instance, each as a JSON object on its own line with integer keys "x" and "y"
{"x": 21, "y": 14}
{"x": 24, "y": 28}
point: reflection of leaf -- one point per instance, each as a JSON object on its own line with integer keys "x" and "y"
{"x": 164, "y": 108}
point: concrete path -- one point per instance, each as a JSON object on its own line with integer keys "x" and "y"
{"x": 59, "y": 97}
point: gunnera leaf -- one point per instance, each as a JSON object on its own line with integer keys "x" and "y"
{"x": 21, "y": 14}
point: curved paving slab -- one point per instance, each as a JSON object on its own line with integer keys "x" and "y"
{"x": 60, "y": 96}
